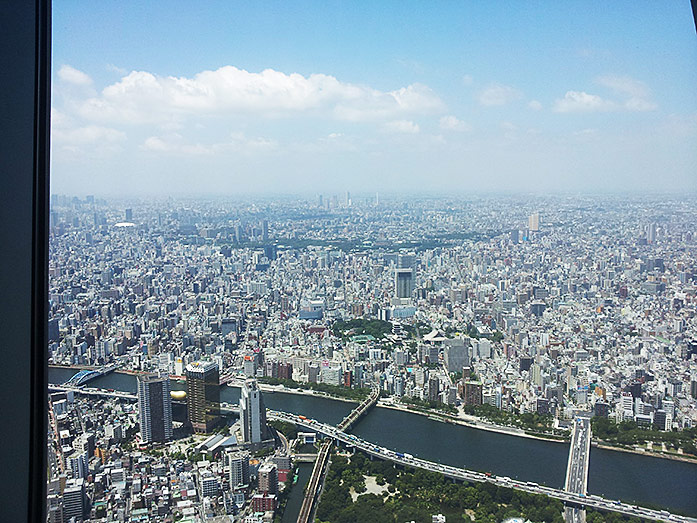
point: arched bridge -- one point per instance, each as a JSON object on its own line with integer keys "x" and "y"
{"x": 85, "y": 375}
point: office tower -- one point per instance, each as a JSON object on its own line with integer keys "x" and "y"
{"x": 515, "y": 236}
{"x": 74, "y": 500}
{"x": 239, "y": 469}
{"x": 651, "y": 233}
{"x": 455, "y": 354}
{"x": 403, "y": 283}
{"x": 268, "y": 479}
{"x": 265, "y": 230}
{"x": 252, "y": 413}
{"x": 377, "y": 199}
{"x": 154, "y": 408}
{"x": 203, "y": 395}
{"x": 534, "y": 222}
{"x": 348, "y": 199}
{"x": 129, "y": 215}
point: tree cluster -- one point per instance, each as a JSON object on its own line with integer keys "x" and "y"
{"x": 415, "y": 495}
{"x": 628, "y": 433}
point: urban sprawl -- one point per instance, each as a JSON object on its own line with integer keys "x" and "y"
{"x": 515, "y": 314}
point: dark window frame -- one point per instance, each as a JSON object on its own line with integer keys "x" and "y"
{"x": 25, "y": 106}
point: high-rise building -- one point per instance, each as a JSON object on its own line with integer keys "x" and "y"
{"x": 433, "y": 388}
{"x": 203, "y": 395}
{"x": 651, "y": 233}
{"x": 154, "y": 408}
{"x": 239, "y": 469}
{"x": 78, "y": 463}
{"x": 268, "y": 479}
{"x": 472, "y": 393}
{"x": 403, "y": 283}
{"x": 265, "y": 230}
{"x": 455, "y": 354}
{"x": 534, "y": 222}
{"x": 74, "y": 500}
{"x": 129, "y": 215}
{"x": 252, "y": 413}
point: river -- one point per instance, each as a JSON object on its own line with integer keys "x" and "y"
{"x": 616, "y": 475}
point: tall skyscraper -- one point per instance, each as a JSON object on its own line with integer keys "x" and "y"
{"x": 651, "y": 233}
{"x": 203, "y": 395}
{"x": 154, "y": 408}
{"x": 252, "y": 413}
{"x": 265, "y": 230}
{"x": 534, "y": 222}
{"x": 403, "y": 283}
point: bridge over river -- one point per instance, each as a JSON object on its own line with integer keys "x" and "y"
{"x": 571, "y": 499}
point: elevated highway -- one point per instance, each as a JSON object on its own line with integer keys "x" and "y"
{"x": 574, "y": 494}
{"x": 461, "y": 474}
{"x": 87, "y": 391}
{"x": 319, "y": 470}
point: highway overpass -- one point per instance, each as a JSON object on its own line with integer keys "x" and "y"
{"x": 570, "y": 498}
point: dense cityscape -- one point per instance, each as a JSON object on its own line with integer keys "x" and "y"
{"x": 511, "y": 315}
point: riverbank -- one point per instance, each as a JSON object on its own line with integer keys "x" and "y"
{"x": 468, "y": 421}
{"x": 474, "y": 423}
{"x": 477, "y": 423}
{"x": 649, "y": 453}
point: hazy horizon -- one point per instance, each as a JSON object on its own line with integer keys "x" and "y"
{"x": 399, "y": 98}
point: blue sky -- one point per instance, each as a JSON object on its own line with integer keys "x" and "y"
{"x": 231, "y": 97}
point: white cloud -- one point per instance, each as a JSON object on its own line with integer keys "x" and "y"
{"x": 634, "y": 96}
{"x": 401, "y": 126}
{"x": 467, "y": 79}
{"x": 637, "y": 93}
{"x": 534, "y": 105}
{"x": 451, "y": 123}
{"x": 175, "y": 143}
{"x": 142, "y": 97}
{"x": 497, "y": 94}
{"x": 156, "y": 144}
{"x": 580, "y": 101}
{"x": 625, "y": 85}
{"x": 73, "y": 76}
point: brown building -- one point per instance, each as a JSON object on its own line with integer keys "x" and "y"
{"x": 203, "y": 395}
{"x": 472, "y": 393}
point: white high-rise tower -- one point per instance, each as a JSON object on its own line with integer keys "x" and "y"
{"x": 252, "y": 413}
